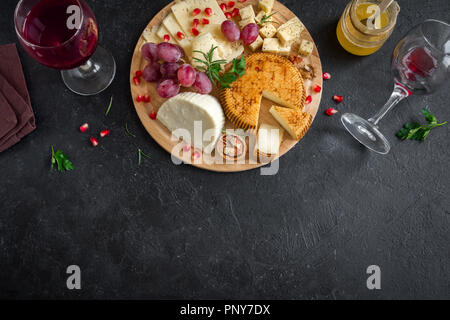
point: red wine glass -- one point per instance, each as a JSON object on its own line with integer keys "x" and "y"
{"x": 420, "y": 65}
{"x": 63, "y": 34}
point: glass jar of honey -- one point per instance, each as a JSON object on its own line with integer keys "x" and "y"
{"x": 361, "y": 30}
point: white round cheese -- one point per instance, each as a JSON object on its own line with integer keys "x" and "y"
{"x": 196, "y": 118}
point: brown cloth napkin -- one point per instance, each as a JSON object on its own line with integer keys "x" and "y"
{"x": 16, "y": 115}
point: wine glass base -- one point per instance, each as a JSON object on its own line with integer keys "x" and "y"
{"x": 93, "y": 77}
{"x": 366, "y": 133}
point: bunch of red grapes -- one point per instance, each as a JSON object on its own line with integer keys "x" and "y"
{"x": 170, "y": 75}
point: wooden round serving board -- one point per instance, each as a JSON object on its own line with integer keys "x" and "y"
{"x": 163, "y": 136}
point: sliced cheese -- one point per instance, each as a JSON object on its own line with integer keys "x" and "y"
{"x": 162, "y": 31}
{"x": 227, "y": 50}
{"x": 150, "y": 35}
{"x": 269, "y": 139}
{"x": 184, "y": 110}
{"x": 171, "y": 24}
{"x": 203, "y": 43}
{"x": 183, "y": 13}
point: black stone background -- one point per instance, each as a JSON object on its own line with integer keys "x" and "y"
{"x": 162, "y": 231}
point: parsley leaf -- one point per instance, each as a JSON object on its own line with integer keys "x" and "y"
{"x": 418, "y": 132}
{"x": 61, "y": 161}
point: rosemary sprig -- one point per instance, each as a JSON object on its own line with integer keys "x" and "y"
{"x": 109, "y": 106}
{"x": 128, "y": 131}
{"x": 213, "y": 68}
{"x": 140, "y": 155}
{"x": 267, "y": 18}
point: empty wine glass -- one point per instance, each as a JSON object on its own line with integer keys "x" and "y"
{"x": 420, "y": 65}
{"x": 63, "y": 34}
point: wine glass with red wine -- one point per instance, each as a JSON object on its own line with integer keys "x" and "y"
{"x": 420, "y": 65}
{"x": 63, "y": 34}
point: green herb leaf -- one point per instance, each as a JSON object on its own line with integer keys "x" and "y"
{"x": 213, "y": 68}
{"x": 267, "y": 18}
{"x": 109, "y": 106}
{"x": 140, "y": 155}
{"x": 61, "y": 161}
{"x": 128, "y": 131}
{"x": 429, "y": 117}
{"x": 418, "y": 132}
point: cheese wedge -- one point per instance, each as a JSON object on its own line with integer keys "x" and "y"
{"x": 295, "y": 122}
{"x": 269, "y": 140}
{"x": 191, "y": 112}
{"x": 171, "y": 24}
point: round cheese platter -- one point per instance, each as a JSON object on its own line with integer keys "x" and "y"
{"x": 171, "y": 24}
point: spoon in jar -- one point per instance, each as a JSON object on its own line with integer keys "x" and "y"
{"x": 374, "y": 22}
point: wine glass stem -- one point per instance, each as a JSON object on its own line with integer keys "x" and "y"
{"x": 397, "y": 95}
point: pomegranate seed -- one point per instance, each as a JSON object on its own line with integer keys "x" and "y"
{"x": 230, "y": 4}
{"x": 196, "y": 155}
{"x": 205, "y": 21}
{"x": 228, "y": 15}
{"x": 196, "y": 12}
{"x": 223, "y": 6}
{"x": 195, "y": 23}
{"x": 235, "y": 12}
{"x": 308, "y": 100}
{"x": 257, "y": 68}
{"x": 180, "y": 35}
{"x": 153, "y": 115}
{"x": 330, "y": 112}
{"x": 338, "y": 99}
{"x": 187, "y": 148}
{"x": 139, "y": 98}
{"x": 94, "y": 141}
{"x": 139, "y": 73}
{"x": 208, "y": 12}
{"x": 84, "y": 127}
{"x": 166, "y": 38}
{"x": 195, "y": 32}
{"x": 326, "y": 76}
{"x": 104, "y": 133}
{"x": 317, "y": 88}
{"x": 136, "y": 80}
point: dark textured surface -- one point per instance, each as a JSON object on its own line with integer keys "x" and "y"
{"x": 161, "y": 231}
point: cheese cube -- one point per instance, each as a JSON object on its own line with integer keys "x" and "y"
{"x": 289, "y": 35}
{"x": 259, "y": 17}
{"x": 285, "y": 50}
{"x": 306, "y": 48}
{"x": 294, "y": 21}
{"x": 271, "y": 45}
{"x": 245, "y": 22}
{"x": 268, "y": 31}
{"x": 247, "y": 13}
{"x": 266, "y": 5}
{"x": 257, "y": 44}
{"x": 269, "y": 139}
